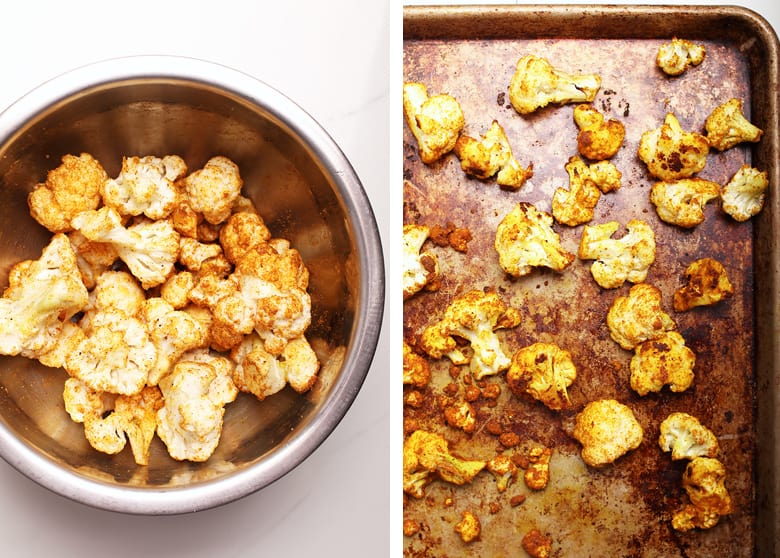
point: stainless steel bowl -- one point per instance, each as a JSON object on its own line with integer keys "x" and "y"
{"x": 306, "y": 191}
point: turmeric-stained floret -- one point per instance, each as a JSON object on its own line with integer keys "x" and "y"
{"x": 461, "y": 415}
{"x": 670, "y": 152}
{"x": 536, "y": 544}
{"x": 213, "y": 189}
{"x": 704, "y": 480}
{"x": 618, "y": 260}
{"x": 682, "y": 202}
{"x": 416, "y": 370}
{"x": 145, "y": 185}
{"x": 420, "y": 268}
{"x": 664, "y": 361}
{"x": 469, "y": 527}
{"x": 598, "y": 138}
{"x": 537, "y": 474}
{"x": 576, "y": 205}
{"x": 607, "y": 430}
{"x": 536, "y": 83}
{"x": 727, "y": 126}
{"x": 678, "y": 55}
{"x": 544, "y": 371}
{"x": 638, "y": 317}
{"x": 706, "y": 283}
{"x": 491, "y": 156}
{"x": 504, "y": 470}
{"x": 243, "y": 231}
{"x": 744, "y": 194}
{"x": 686, "y": 437}
{"x": 436, "y": 121}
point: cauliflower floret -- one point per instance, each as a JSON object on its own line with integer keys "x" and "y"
{"x": 536, "y": 83}
{"x": 473, "y": 316}
{"x": 145, "y": 185}
{"x": 149, "y": 248}
{"x": 492, "y": 155}
{"x": 598, "y": 138}
{"x": 525, "y": 239}
{"x": 93, "y": 258}
{"x": 69, "y": 189}
{"x": 263, "y": 374}
{"x": 469, "y": 528}
{"x": 461, "y": 415}
{"x": 607, "y": 430}
{"x": 727, "y": 126}
{"x": 203, "y": 257}
{"x": 678, "y": 55}
{"x": 670, "y": 152}
{"x": 427, "y": 454}
{"x": 743, "y": 196}
{"x": 41, "y": 296}
{"x": 681, "y": 202}
{"x": 195, "y": 393}
{"x": 706, "y": 283}
{"x": 618, "y": 260}
{"x": 660, "y": 362}
{"x": 176, "y": 289}
{"x": 638, "y": 317}
{"x": 213, "y": 189}
{"x": 109, "y": 422}
{"x": 416, "y": 370}
{"x": 420, "y": 269}
{"x": 537, "y": 474}
{"x": 704, "y": 482}
{"x": 536, "y": 544}
{"x": 503, "y": 469}
{"x": 575, "y": 206}
{"x": 242, "y": 232}
{"x": 544, "y": 371}
{"x": 686, "y": 437}
{"x": 605, "y": 175}
{"x": 436, "y": 122}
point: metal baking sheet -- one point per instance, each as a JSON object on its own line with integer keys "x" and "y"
{"x": 624, "y": 509}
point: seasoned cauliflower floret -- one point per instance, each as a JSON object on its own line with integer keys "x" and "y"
{"x": 504, "y": 470}
{"x": 638, "y": 317}
{"x": 473, "y": 316}
{"x": 93, "y": 258}
{"x": 536, "y": 544}
{"x": 242, "y": 232}
{"x": 670, "y": 152}
{"x": 681, "y": 202}
{"x": 537, "y": 474}
{"x": 420, "y": 269}
{"x": 686, "y": 437}
{"x": 469, "y": 528}
{"x": 598, "y": 138}
{"x": 537, "y": 83}
{"x": 69, "y": 189}
{"x": 660, "y": 362}
{"x": 525, "y": 239}
{"x": 678, "y": 55}
{"x": 618, "y": 260}
{"x": 706, "y": 283}
{"x": 544, "y": 371}
{"x": 461, "y": 415}
{"x": 607, "y": 430}
{"x": 704, "y": 480}
{"x": 575, "y": 206}
{"x": 436, "y": 122}
{"x": 213, "y": 189}
{"x": 743, "y": 196}
{"x": 145, "y": 185}
{"x": 41, "y": 296}
{"x": 416, "y": 370}
{"x": 492, "y": 155}
{"x": 727, "y": 126}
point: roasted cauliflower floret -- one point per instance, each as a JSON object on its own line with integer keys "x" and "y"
{"x": 469, "y": 528}
{"x": 727, "y": 126}
{"x": 681, "y": 202}
{"x": 638, "y": 317}
{"x": 670, "y": 152}
{"x": 461, "y": 415}
{"x": 195, "y": 393}
{"x": 41, "y": 296}
{"x": 607, "y": 430}
{"x": 473, "y": 316}
{"x": 706, "y": 283}
{"x": 420, "y": 269}
{"x": 598, "y": 138}
{"x": 575, "y": 206}
{"x": 686, "y": 437}
{"x": 243, "y": 231}
{"x": 145, "y": 186}
{"x": 504, "y": 470}
{"x": 537, "y": 474}
{"x": 525, "y": 239}
{"x": 678, "y": 55}
{"x": 704, "y": 480}
{"x": 618, "y": 260}
{"x": 664, "y": 361}
{"x": 435, "y": 122}
{"x": 426, "y": 455}
{"x": 69, "y": 189}
{"x": 93, "y": 258}
{"x": 491, "y": 156}
{"x": 536, "y": 544}
{"x": 213, "y": 189}
{"x": 544, "y": 371}
{"x": 744, "y": 194}
{"x": 536, "y": 83}
{"x": 416, "y": 370}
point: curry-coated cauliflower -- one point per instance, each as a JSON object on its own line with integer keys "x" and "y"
{"x": 618, "y": 260}
{"x": 469, "y": 527}
{"x": 686, "y": 437}
{"x": 72, "y": 187}
{"x": 473, "y": 316}
{"x": 416, "y": 370}
{"x": 536, "y": 83}
{"x": 681, "y": 202}
{"x": 491, "y": 156}
{"x": 41, "y": 296}
{"x": 598, "y": 138}
{"x": 145, "y": 185}
{"x": 243, "y": 231}
{"x": 537, "y": 474}
{"x": 607, "y": 430}
{"x": 461, "y": 415}
{"x": 704, "y": 480}
{"x": 435, "y": 121}
{"x": 664, "y": 361}
{"x": 575, "y": 206}
{"x": 670, "y": 152}
{"x": 504, "y": 470}
{"x": 525, "y": 239}
{"x": 93, "y": 258}
{"x": 638, "y": 317}
{"x": 744, "y": 194}
{"x": 213, "y": 189}
{"x": 706, "y": 283}
{"x": 544, "y": 371}
{"x": 678, "y": 55}
{"x": 195, "y": 393}
{"x": 420, "y": 269}
{"x": 727, "y": 126}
